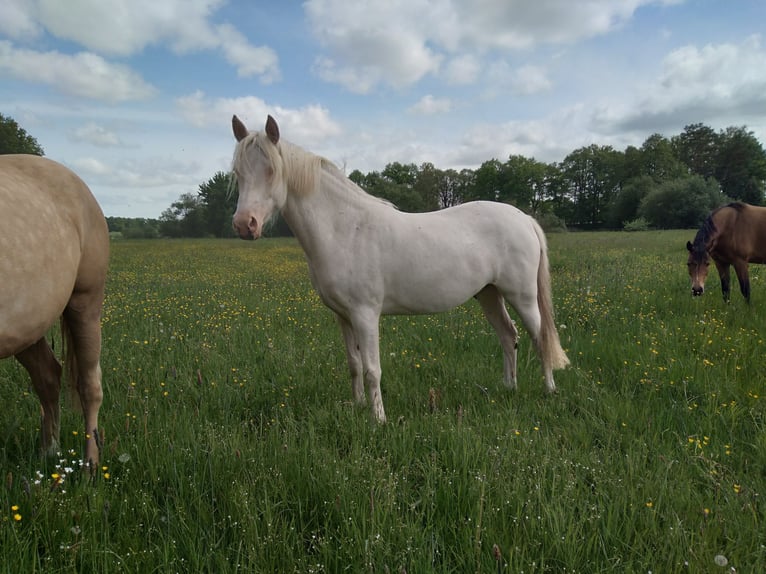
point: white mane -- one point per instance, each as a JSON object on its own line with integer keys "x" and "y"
{"x": 300, "y": 168}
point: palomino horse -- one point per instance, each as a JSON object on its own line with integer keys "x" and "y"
{"x": 734, "y": 234}
{"x": 54, "y": 252}
{"x": 368, "y": 259}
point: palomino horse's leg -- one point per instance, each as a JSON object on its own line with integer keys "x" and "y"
{"x": 493, "y": 305}
{"x": 365, "y": 326}
{"x": 45, "y": 372}
{"x": 354, "y": 360}
{"x": 743, "y": 275}
{"x": 83, "y": 315}
{"x": 725, "y": 275}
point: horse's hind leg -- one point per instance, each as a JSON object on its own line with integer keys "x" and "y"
{"x": 493, "y": 305}
{"x": 743, "y": 275}
{"x": 354, "y": 359}
{"x": 725, "y": 275}
{"x": 45, "y": 372}
{"x": 83, "y": 319}
{"x": 527, "y": 308}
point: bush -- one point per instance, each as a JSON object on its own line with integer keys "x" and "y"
{"x": 638, "y": 224}
{"x": 550, "y": 222}
{"x": 624, "y": 207}
{"x": 681, "y": 203}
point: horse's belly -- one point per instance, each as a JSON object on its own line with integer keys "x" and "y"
{"x": 36, "y": 282}
{"x": 432, "y": 290}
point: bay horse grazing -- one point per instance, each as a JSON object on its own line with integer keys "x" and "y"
{"x": 734, "y": 234}
{"x": 367, "y": 259}
{"x": 54, "y": 252}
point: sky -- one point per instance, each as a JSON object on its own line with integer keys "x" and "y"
{"x": 136, "y": 96}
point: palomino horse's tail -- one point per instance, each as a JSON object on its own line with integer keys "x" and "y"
{"x": 70, "y": 364}
{"x": 551, "y": 352}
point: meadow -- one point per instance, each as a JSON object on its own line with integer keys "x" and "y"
{"x": 231, "y": 443}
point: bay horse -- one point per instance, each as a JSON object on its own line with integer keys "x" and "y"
{"x": 367, "y": 259}
{"x": 734, "y": 234}
{"x": 54, "y": 253}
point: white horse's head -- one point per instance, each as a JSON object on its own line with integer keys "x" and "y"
{"x": 257, "y": 167}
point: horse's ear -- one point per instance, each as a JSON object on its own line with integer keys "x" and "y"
{"x": 689, "y": 245}
{"x": 240, "y": 131}
{"x": 272, "y": 130}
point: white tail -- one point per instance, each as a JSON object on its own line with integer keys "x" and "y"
{"x": 549, "y": 345}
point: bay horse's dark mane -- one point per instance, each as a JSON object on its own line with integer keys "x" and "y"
{"x": 708, "y": 230}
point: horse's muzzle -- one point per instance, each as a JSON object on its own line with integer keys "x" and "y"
{"x": 246, "y": 226}
{"x": 697, "y": 291}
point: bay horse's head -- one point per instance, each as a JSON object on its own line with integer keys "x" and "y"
{"x": 698, "y": 264}
{"x": 698, "y": 261}
{"x": 257, "y": 168}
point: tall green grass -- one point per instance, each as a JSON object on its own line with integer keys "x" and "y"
{"x": 231, "y": 444}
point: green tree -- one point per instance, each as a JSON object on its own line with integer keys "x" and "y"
{"x": 659, "y": 160}
{"x": 697, "y": 148}
{"x": 395, "y": 184}
{"x": 592, "y": 175}
{"x": 14, "y": 139}
{"x": 633, "y": 163}
{"x": 487, "y": 181}
{"x": 741, "y": 165}
{"x": 218, "y": 203}
{"x": 427, "y": 182}
{"x": 134, "y": 227}
{"x": 184, "y": 217}
{"x": 452, "y": 186}
{"x": 404, "y": 175}
{"x": 524, "y": 183}
{"x": 681, "y": 203}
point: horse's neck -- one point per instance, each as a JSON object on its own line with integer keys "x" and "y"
{"x": 321, "y": 220}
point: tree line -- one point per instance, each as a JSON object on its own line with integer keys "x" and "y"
{"x": 665, "y": 183}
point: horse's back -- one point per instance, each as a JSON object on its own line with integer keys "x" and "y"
{"x": 53, "y": 240}
{"x": 439, "y": 259}
{"x": 742, "y": 232}
{"x": 756, "y": 234}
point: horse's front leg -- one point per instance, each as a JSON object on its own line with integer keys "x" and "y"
{"x": 354, "y": 359}
{"x": 366, "y": 333}
{"x": 725, "y": 275}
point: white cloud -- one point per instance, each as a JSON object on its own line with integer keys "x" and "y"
{"x": 97, "y": 135}
{"x": 84, "y": 74}
{"x": 547, "y": 139}
{"x": 516, "y": 24}
{"x": 91, "y": 166}
{"x": 155, "y": 173}
{"x": 359, "y": 80}
{"x": 306, "y": 126}
{"x": 529, "y": 80}
{"x": 401, "y": 41}
{"x": 126, "y": 27}
{"x": 17, "y": 19}
{"x": 371, "y": 42}
{"x": 526, "y": 80}
{"x": 709, "y": 84}
{"x": 248, "y": 59}
{"x": 463, "y": 70}
{"x": 428, "y": 105}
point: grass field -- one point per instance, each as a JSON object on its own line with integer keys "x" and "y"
{"x": 231, "y": 444}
